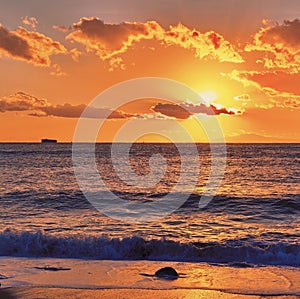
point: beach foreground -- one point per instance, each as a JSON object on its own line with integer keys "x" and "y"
{"x": 41, "y": 293}
{"x": 75, "y": 278}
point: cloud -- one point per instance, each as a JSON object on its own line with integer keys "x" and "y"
{"x": 116, "y": 63}
{"x": 65, "y": 110}
{"x": 41, "y": 108}
{"x": 280, "y": 80}
{"x": 62, "y": 28}
{"x": 243, "y": 97}
{"x": 75, "y": 54}
{"x": 282, "y": 99}
{"x": 292, "y": 103}
{"x": 205, "y": 45}
{"x": 32, "y": 47}
{"x": 109, "y": 40}
{"x": 287, "y": 33}
{"x": 243, "y": 78}
{"x": 185, "y": 110}
{"x": 75, "y": 111}
{"x": 30, "y": 21}
{"x": 273, "y": 96}
{"x": 171, "y": 110}
{"x": 21, "y": 102}
{"x": 280, "y": 40}
{"x": 57, "y": 71}
{"x": 152, "y": 116}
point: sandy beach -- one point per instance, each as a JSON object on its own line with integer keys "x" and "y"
{"x": 76, "y": 278}
{"x": 33, "y": 293}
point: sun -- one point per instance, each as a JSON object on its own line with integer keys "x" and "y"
{"x": 208, "y": 96}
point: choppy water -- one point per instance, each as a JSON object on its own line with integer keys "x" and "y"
{"x": 253, "y": 219}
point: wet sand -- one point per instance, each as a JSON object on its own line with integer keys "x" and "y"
{"x": 30, "y": 278}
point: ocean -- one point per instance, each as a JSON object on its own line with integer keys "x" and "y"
{"x": 253, "y": 219}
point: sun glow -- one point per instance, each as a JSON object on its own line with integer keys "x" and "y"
{"x": 208, "y": 96}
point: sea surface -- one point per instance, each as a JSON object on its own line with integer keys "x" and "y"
{"x": 254, "y": 219}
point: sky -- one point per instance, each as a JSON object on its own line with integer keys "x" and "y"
{"x": 241, "y": 57}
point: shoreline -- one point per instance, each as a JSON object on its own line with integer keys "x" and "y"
{"x": 72, "y": 293}
{"x": 31, "y": 278}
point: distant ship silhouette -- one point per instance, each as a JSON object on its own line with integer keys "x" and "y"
{"x": 49, "y": 140}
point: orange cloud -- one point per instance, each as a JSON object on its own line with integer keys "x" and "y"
{"x": 30, "y": 21}
{"x": 21, "y": 102}
{"x": 57, "y": 71}
{"x": 75, "y": 54}
{"x": 273, "y": 96}
{"x": 279, "y": 80}
{"x": 32, "y": 47}
{"x": 242, "y": 77}
{"x": 282, "y": 99}
{"x": 280, "y": 40}
{"x": 108, "y": 40}
{"x": 292, "y": 103}
{"x": 205, "y": 45}
{"x": 61, "y": 28}
{"x": 243, "y": 97}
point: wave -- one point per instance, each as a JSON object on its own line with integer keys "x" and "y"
{"x": 232, "y": 252}
{"x": 261, "y": 208}
{"x": 289, "y": 204}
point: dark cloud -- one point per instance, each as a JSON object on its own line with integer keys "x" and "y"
{"x": 14, "y": 45}
{"x": 75, "y": 111}
{"x": 288, "y": 33}
{"x": 110, "y": 35}
{"x": 40, "y": 107}
{"x": 185, "y": 110}
{"x": 29, "y": 46}
{"x": 171, "y": 110}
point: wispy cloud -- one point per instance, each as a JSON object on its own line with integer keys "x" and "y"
{"x": 30, "y": 22}
{"x": 243, "y": 97}
{"x": 273, "y": 96}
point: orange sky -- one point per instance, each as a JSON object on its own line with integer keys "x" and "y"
{"x": 241, "y": 57}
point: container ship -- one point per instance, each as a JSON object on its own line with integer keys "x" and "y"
{"x": 49, "y": 140}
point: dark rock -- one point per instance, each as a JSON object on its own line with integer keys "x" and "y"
{"x": 167, "y": 272}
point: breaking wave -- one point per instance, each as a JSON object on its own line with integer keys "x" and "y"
{"x": 234, "y": 252}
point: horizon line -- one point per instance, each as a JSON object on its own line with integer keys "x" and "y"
{"x": 159, "y": 142}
